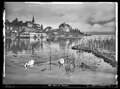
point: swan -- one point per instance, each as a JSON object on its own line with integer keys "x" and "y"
{"x": 61, "y": 61}
{"x": 29, "y": 63}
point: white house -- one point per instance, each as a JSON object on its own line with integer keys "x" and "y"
{"x": 37, "y": 35}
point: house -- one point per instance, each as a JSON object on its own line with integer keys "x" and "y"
{"x": 74, "y": 33}
{"x": 32, "y": 33}
{"x": 55, "y": 33}
{"x": 37, "y": 25}
{"x": 49, "y": 28}
{"x": 29, "y": 23}
{"x": 33, "y": 30}
{"x": 9, "y": 28}
{"x": 38, "y": 35}
{"x": 65, "y": 27}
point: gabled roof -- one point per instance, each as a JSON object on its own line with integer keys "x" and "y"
{"x": 29, "y": 29}
{"x": 29, "y": 22}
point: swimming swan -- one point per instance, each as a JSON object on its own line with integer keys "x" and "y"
{"x": 61, "y": 61}
{"x": 29, "y": 63}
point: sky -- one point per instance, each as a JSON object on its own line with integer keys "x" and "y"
{"x": 86, "y": 16}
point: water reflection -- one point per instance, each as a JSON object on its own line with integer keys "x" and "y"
{"x": 47, "y": 53}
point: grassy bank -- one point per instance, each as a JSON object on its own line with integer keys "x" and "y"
{"x": 98, "y": 54}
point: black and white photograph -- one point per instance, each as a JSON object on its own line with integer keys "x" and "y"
{"x": 72, "y": 43}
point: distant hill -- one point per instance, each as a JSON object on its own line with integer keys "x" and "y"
{"x": 101, "y": 33}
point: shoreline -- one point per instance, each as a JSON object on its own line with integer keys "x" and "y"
{"x": 97, "y": 53}
{"x": 40, "y": 74}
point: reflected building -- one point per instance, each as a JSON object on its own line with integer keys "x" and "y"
{"x": 62, "y": 43}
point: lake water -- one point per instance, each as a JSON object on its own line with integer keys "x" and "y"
{"x": 79, "y": 68}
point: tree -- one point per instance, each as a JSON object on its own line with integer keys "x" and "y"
{"x": 49, "y": 28}
{"x": 7, "y": 24}
{"x": 15, "y": 21}
{"x": 41, "y": 27}
{"x": 7, "y": 28}
{"x": 7, "y": 21}
{"x": 18, "y": 26}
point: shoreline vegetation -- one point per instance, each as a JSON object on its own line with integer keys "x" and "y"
{"x": 97, "y": 53}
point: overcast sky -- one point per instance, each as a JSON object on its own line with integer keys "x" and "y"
{"x": 86, "y": 16}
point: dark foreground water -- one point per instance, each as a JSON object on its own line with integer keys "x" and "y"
{"x": 79, "y": 68}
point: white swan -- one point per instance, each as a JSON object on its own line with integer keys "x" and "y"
{"x": 62, "y": 61}
{"x": 29, "y": 63}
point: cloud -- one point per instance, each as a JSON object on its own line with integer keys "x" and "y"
{"x": 110, "y": 24}
{"x": 85, "y": 16}
{"x": 102, "y": 14}
{"x": 102, "y": 29}
{"x": 96, "y": 26}
{"x": 109, "y": 27}
{"x": 91, "y": 21}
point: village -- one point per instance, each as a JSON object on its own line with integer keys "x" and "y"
{"x": 60, "y": 43}
{"x": 30, "y": 29}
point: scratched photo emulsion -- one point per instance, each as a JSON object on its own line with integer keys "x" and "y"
{"x": 60, "y": 43}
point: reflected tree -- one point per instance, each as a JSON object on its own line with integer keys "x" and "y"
{"x": 18, "y": 26}
{"x": 8, "y": 44}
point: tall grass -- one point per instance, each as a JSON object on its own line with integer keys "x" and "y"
{"x": 103, "y": 43}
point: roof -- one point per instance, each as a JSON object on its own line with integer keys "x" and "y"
{"x": 64, "y": 24}
{"x": 29, "y": 22}
{"x": 29, "y": 29}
